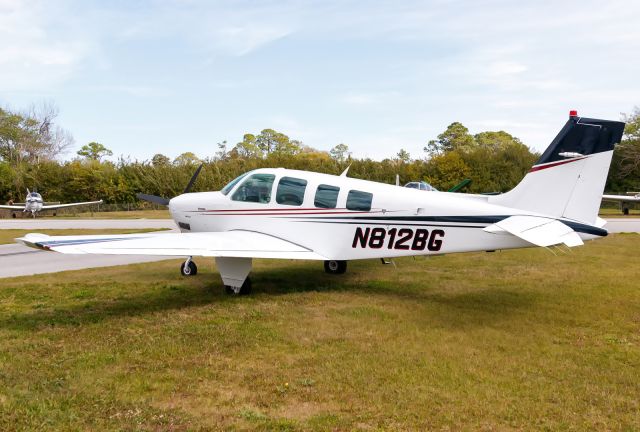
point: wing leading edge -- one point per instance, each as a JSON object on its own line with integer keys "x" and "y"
{"x": 57, "y": 206}
{"x": 232, "y": 244}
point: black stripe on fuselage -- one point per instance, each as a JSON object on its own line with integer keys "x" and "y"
{"x": 483, "y": 219}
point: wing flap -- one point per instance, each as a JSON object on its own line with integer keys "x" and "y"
{"x": 236, "y": 244}
{"x": 539, "y": 231}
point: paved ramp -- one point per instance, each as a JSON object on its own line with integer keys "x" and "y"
{"x": 19, "y": 260}
{"x": 617, "y": 225}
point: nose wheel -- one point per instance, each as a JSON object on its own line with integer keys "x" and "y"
{"x": 188, "y": 268}
{"x": 335, "y": 267}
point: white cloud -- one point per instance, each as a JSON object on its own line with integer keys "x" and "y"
{"x": 34, "y": 53}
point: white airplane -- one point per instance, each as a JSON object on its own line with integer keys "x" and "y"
{"x": 34, "y": 204}
{"x": 624, "y": 200}
{"x": 288, "y": 214}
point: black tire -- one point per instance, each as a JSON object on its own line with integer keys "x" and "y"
{"x": 625, "y": 211}
{"x": 190, "y": 270}
{"x": 245, "y": 289}
{"x": 335, "y": 267}
{"x": 13, "y": 215}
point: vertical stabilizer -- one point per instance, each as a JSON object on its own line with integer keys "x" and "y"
{"x": 569, "y": 178}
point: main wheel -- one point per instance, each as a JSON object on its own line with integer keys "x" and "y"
{"x": 335, "y": 267}
{"x": 625, "y": 211}
{"x": 245, "y": 289}
{"x": 189, "y": 270}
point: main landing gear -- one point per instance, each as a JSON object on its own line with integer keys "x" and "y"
{"x": 235, "y": 272}
{"x": 335, "y": 267}
{"x": 188, "y": 268}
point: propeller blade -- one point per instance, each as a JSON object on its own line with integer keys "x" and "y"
{"x": 193, "y": 179}
{"x": 153, "y": 198}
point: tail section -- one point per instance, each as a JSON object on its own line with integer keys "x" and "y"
{"x": 569, "y": 178}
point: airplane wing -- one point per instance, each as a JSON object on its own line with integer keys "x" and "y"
{"x": 57, "y": 206}
{"x": 625, "y": 198}
{"x": 232, "y": 244}
{"x": 12, "y": 207}
{"x": 539, "y": 231}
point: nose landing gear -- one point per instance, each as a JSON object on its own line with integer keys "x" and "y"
{"x": 189, "y": 268}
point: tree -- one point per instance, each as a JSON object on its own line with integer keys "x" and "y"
{"x": 247, "y": 148}
{"x": 404, "y": 156}
{"x": 447, "y": 170}
{"x": 186, "y": 158}
{"x": 496, "y": 140}
{"x": 160, "y": 160}
{"x": 340, "y": 152}
{"x": 222, "y": 153}
{"x": 455, "y": 137}
{"x": 94, "y": 151}
{"x": 625, "y": 168}
{"x": 31, "y": 136}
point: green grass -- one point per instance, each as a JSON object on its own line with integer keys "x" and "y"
{"x": 133, "y": 214}
{"x": 515, "y": 340}
{"x": 9, "y": 235}
{"x": 616, "y": 212}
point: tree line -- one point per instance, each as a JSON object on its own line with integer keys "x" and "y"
{"x": 31, "y": 144}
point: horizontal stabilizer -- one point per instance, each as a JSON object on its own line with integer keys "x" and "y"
{"x": 539, "y": 231}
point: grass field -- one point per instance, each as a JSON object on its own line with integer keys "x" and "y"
{"x": 9, "y": 236}
{"x": 611, "y": 212}
{"x": 485, "y": 341}
{"x": 133, "y": 214}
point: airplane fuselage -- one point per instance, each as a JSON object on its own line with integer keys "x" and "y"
{"x": 33, "y": 203}
{"x": 400, "y": 222}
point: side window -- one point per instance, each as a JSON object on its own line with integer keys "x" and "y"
{"x": 256, "y": 188}
{"x": 326, "y": 196}
{"x": 291, "y": 191}
{"x": 357, "y": 200}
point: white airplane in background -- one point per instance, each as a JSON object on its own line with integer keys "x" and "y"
{"x": 631, "y": 197}
{"x": 288, "y": 214}
{"x": 34, "y": 204}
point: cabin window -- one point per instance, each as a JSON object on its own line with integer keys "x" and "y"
{"x": 357, "y": 200}
{"x": 291, "y": 191}
{"x": 256, "y": 188}
{"x": 326, "y": 196}
{"x": 225, "y": 190}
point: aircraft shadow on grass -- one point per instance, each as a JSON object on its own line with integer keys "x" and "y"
{"x": 477, "y": 308}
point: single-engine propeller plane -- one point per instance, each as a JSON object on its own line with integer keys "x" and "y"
{"x": 289, "y": 214}
{"x": 34, "y": 204}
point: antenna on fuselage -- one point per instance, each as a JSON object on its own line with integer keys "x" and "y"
{"x": 344, "y": 173}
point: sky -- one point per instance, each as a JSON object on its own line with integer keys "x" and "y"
{"x": 147, "y": 77}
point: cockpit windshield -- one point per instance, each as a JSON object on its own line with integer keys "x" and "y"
{"x": 420, "y": 185}
{"x": 34, "y": 195}
{"x": 225, "y": 190}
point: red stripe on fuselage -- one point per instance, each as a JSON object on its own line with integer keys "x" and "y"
{"x": 541, "y": 167}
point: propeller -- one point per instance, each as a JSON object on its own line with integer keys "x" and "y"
{"x": 164, "y": 201}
